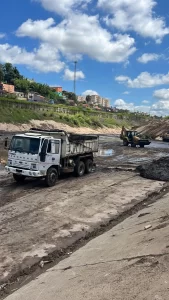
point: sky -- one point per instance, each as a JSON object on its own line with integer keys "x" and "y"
{"x": 121, "y": 47}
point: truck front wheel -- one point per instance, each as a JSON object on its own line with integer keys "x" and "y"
{"x": 80, "y": 168}
{"x": 51, "y": 177}
{"x": 18, "y": 178}
{"x": 88, "y": 166}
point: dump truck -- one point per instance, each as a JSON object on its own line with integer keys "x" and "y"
{"x": 131, "y": 137}
{"x": 48, "y": 153}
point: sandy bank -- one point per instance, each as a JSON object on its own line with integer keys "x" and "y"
{"x": 56, "y": 125}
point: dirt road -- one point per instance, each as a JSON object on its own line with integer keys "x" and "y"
{"x": 38, "y": 222}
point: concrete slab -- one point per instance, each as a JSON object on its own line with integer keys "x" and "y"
{"x": 128, "y": 262}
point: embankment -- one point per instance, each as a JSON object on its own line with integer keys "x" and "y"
{"x": 155, "y": 128}
{"x": 51, "y": 124}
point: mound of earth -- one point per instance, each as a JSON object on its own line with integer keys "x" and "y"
{"x": 155, "y": 128}
{"x": 157, "y": 169}
{"x": 50, "y": 124}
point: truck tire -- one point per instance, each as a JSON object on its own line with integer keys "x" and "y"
{"x": 125, "y": 143}
{"x": 141, "y": 146}
{"x": 51, "y": 177}
{"x": 133, "y": 145}
{"x": 88, "y": 166}
{"x": 18, "y": 178}
{"x": 80, "y": 168}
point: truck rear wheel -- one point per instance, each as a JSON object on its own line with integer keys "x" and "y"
{"x": 88, "y": 166}
{"x": 80, "y": 168}
{"x": 141, "y": 146}
{"x": 18, "y": 178}
{"x": 51, "y": 177}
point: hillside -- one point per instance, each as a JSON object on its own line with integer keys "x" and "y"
{"x": 15, "y": 113}
{"x": 155, "y": 128}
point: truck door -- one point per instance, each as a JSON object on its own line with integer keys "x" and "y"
{"x": 53, "y": 152}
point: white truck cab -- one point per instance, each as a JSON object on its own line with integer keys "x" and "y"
{"x": 42, "y": 153}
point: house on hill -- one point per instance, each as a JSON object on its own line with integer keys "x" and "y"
{"x": 6, "y": 88}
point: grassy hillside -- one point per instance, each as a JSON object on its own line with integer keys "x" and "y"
{"x": 18, "y": 112}
{"x": 18, "y": 115}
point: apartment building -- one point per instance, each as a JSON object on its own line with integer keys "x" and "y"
{"x": 81, "y": 98}
{"x": 96, "y": 99}
{"x": 6, "y": 88}
{"x": 105, "y": 102}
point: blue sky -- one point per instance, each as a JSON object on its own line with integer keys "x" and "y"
{"x": 122, "y": 47}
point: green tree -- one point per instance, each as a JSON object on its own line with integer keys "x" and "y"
{"x": 88, "y": 98}
{"x": 21, "y": 85}
{"x": 10, "y": 73}
{"x": 70, "y": 95}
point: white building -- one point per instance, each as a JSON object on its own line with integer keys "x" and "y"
{"x": 96, "y": 99}
{"x": 35, "y": 97}
{"x": 81, "y": 99}
{"x": 105, "y": 102}
{"x": 21, "y": 95}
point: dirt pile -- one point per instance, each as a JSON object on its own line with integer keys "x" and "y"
{"x": 155, "y": 128}
{"x": 157, "y": 169}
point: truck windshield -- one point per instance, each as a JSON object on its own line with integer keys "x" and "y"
{"x": 25, "y": 144}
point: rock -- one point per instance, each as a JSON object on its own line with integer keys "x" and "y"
{"x": 41, "y": 264}
{"x": 147, "y": 227}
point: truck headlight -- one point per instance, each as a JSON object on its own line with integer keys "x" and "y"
{"x": 33, "y": 166}
{"x": 9, "y": 162}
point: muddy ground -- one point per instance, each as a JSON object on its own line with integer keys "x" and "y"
{"x": 39, "y": 223}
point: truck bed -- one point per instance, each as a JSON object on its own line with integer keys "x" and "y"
{"x": 72, "y": 144}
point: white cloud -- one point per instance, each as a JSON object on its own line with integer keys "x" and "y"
{"x": 43, "y": 59}
{"x": 144, "y": 80}
{"x": 89, "y": 92}
{"x": 2, "y": 35}
{"x": 145, "y": 101}
{"x": 126, "y": 93}
{"x": 146, "y": 57}
{"x": 135, "y": 15}
{"x": 121, "y": 104}
{"x": 80, "y": 34}
{"x": 64, "y": 7}
{"x": 161, "y": 108}
{"x": 69, "y": 75}
{"x": 162, "y": 94}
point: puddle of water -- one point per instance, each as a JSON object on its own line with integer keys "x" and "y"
{"x": 105, "y": 152}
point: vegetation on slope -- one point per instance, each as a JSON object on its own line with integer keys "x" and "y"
{"x": 17, "y": 115}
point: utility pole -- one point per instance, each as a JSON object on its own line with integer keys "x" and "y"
{"x": 75, "y": 62}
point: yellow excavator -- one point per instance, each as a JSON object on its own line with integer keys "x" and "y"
{"x": 131, "y": 137}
